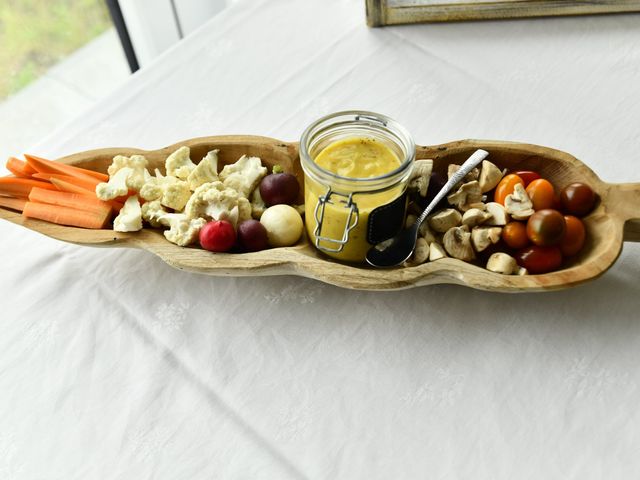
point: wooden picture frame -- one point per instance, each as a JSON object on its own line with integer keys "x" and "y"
{"x": 392, "y": 12}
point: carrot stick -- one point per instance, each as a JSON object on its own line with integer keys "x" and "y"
{"x": 43, "y": 165}
{"x": 12, "y": 203}
{"x": 66, "y": 186}
{"x": 64, "y": 215}
{"x": 86, "y": 183}
{"x": 19, "y": 168}
{"x": 20, "y": 187}
{"x": 71, "y": 200}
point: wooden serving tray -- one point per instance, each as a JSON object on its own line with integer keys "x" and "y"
{"x": 615, "y": 219}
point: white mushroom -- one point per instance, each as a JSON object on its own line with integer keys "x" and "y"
{"x": 498, "y": 213}
{"x": 482, "y": 237}
{"x": 523, "y": 271}
{"x": 518, "y": 204}
{"x": 490, "y": 176}
{"x": 469, "y": 177}
{"x": 457, "y": 243}
{"x": 419, "y": 180}
{"x": 445, "y": 219}
{"x": 475, "y": 216}
{"x": 502, "y": 263}
{"x": 410, "y": 220}
{"x": 426, "y": 233}
{"x": 436, "y": 252}
{"x": 420, "y": 253}
{"x": 468, "y": 194}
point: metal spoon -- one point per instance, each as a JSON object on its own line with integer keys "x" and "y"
{"x": 403, "y": 244}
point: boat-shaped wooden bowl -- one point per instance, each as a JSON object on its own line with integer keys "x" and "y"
{"x": 615, "y": 219}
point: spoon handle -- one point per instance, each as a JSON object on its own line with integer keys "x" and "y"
{"x": 473, "y": 161}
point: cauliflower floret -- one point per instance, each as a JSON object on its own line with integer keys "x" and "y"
{"x": 244, "y": 175}
{"x": 244, "y": 209}
{"x": 137, "y": 163}
{"x": 183, "y": 231}
{"x": 116, "y": 186}
{"x": 171, "y": 192}
{"x": 130, "y": 217}
{"x": 206, "y": 171}
{"x": 214, "y": 201}
{"x": 179, "y": 164}
{"x": 152, "y": 212}
{"x": 257, "y": 204}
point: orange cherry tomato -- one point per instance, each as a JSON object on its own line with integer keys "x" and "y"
{"x": 527, "y": 176}
{"x": 574, "y": 236}
{"x": 506, "y": 187}
{"x": 542, "y": 194}
{"x": 546, "y": 227}
{"x": 538, "y": 259}
{"x": 514, "y": 235}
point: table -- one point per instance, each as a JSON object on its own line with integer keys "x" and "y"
{"x": 115, "y": 366}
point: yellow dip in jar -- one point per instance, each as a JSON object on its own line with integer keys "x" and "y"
{"x": 355, "y": 163}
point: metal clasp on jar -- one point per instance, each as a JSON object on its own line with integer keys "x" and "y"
{"x": 319, "y": 215}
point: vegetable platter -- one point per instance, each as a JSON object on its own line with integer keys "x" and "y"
{"x": 614, "y": 220}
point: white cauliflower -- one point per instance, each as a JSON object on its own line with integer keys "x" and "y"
{"x": 183, "y": 231}
{"x": 206, "y": 171}
{"x": 244, "y": 210}
{"x": 116, "y": 186}
{"x": 138, "y": 177}
{"x": 130, "y": 217}
{"x": 214, "y": 201}
{"x": 152, "y": 212}
{"x": 244, "y": 175}
{"x": 257, "y": 204}
{"x": 172, "y": 192}
{"x": 179, "y": 164}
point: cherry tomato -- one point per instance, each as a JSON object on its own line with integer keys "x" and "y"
{"x": 546, "y": 227}
{"x": 574, "y": 236}
{"x": 541, "y": 193}
{"x": 577, "y": 199}
{"x": 527, "y": 176}
{"x": 505, "y": 187}
{"x": 514, "y": 235}
{"x": 538, "y": 259}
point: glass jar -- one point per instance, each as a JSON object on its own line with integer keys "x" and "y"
{"x": 346, "y": 216}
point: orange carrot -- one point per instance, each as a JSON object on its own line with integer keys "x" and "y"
{"x": 86, "y": 183}
{"x": 71, "y": 200}
{"x": 19, "y": 168}
{"x": 20, "y": 187}
{"x": 43, "y": 165}
{"x": 65, "y": 215}
{"x": 12, "y": 203}
{"x": 71, "y": 187}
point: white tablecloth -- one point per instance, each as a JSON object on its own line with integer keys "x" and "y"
{"x": 115, "y": 366}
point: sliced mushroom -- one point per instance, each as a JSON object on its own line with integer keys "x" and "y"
{"x": 498, "y": 213}
{"x": 420, "y": 253}
{"x": 475, "y": 216}
{"x": 518, "y": 204}
{"x": 523, "y": 271}
{"x": 469, "y": 193}
{"x": 457, "y": 243}
{"x": 436, "y": 252}
{"x": 469, "y": 177}
{"x": 425, "y": 232}
{"x": 482, "y": 237}
{"x": 445, "y": 219}
{"x": 419, "y": 180}
{"x": 410, "y": 220}
{"x": 490, "y": 176}
{"x": 502, "y": 263}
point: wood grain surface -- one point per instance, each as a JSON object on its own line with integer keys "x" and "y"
{"x": 616, "y": 218}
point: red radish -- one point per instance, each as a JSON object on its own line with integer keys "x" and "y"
{"x": 217, "y": 236}
{"x": 252, "y": 236}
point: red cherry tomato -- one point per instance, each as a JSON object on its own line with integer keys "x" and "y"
{"x": 546, "y": 227}
{"x": 577, "y": 199}
{"x": 538, "y": 259}
{"x": 541, "y": 193}
{"x": 217, "y": 236}
{"x": 527, "y": 176}
{"x": 514, "y": 235}
{"x": 506, "y": 187}
{"x": 574, "y": 236}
